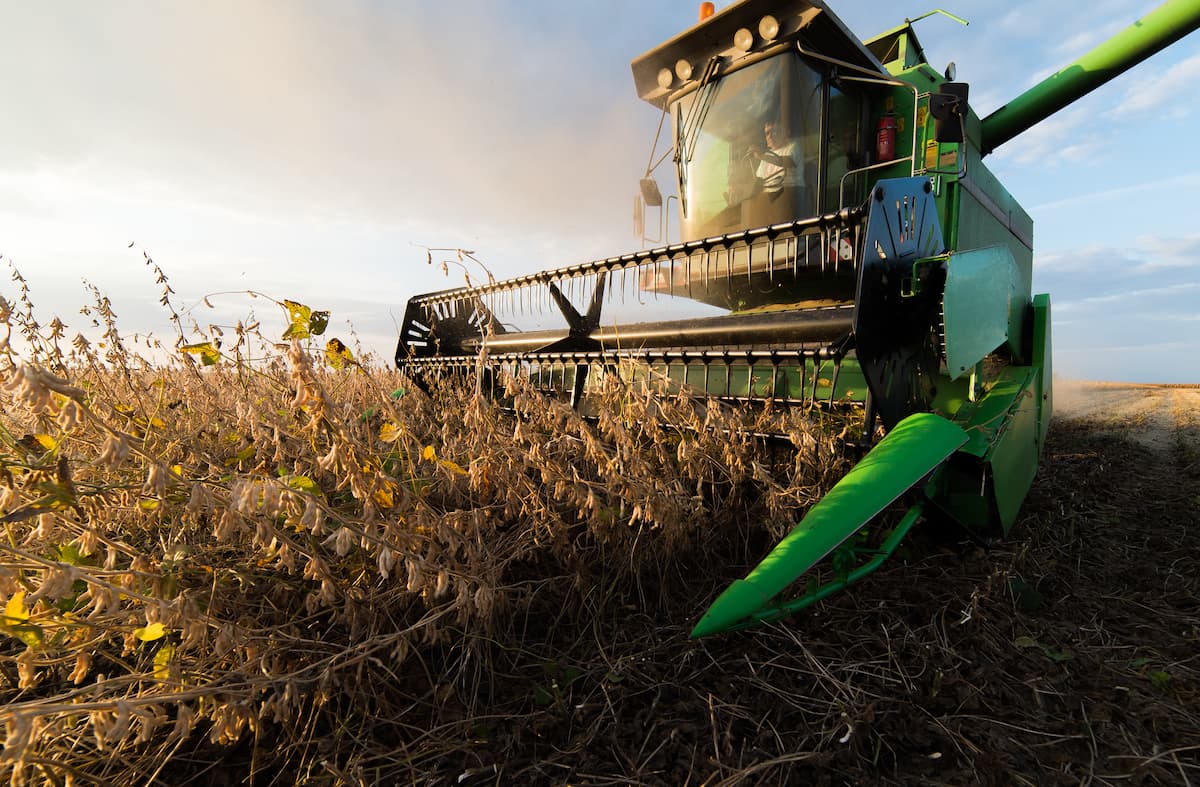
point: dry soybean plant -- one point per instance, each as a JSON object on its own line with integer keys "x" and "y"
{"x": 278, "y": 556}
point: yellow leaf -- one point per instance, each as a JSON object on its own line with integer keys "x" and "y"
{"x": 429, "y": 454}
{"x": 338, "y": 354}
{"x": 452, "y": 467}
{"x": 151, "y": 632}
{"x": 383, "y": 496}
{"x": 389, "y": 432}
{"x": 162, "y": 661}
{"x": 148, "y": 505}
{"x": 15, "y": 616}
{"x": 14, "y": 610}
{"x": 47, "y": 442}
{"x": 208, "y": 352}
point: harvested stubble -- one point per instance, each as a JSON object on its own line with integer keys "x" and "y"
{"x": 276, "y": 573}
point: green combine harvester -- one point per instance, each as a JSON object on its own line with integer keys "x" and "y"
{"x": 842, "y": 245}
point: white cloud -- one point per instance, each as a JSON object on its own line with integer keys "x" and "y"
{"x": 1172, "y": 90}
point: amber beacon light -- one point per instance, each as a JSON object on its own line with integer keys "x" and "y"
{"x": 707, "y": 10}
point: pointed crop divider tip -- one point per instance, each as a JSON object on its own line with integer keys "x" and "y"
{"x": 916, "y": 447}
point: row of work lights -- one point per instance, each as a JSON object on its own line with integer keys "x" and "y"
{"x": 743, "y": 41}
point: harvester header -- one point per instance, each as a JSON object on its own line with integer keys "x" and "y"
{"x": 842, "y": 245}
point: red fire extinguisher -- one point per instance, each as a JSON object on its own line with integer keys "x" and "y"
{"x": 885, "y": 138}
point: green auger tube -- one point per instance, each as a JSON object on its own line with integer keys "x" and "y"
{"x": 1155, "y": 31}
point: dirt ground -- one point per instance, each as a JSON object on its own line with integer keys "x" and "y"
{"x": 1068, "y": 653}
{"x": 1154, "y": 415}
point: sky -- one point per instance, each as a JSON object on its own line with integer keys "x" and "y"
{"x": 314, "y": 150}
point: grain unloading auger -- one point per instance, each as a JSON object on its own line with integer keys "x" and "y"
{"x": 842, "y": 245}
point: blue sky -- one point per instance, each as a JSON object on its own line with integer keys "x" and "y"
{"x": 309, "y": 150}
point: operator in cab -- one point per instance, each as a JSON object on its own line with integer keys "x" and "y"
{"x": 777, "y": 166}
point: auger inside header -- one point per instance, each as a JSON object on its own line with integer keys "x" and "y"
{"x": 842, "y": 243}
{"x": 720, "y": 315}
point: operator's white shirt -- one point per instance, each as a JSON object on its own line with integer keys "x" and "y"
{"x": 775, "y": 177}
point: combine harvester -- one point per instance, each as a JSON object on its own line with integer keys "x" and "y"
{"x": 843, "y": 245}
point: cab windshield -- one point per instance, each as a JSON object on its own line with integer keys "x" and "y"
{"x": 748, "y": 146}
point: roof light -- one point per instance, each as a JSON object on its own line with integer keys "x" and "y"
{"x": 707, "y": 10}
{"x": 743, "y": 39}
{"x": 683, "y": 70}
{"x": 665, "y": 78}
{"x": 768, "y": 27}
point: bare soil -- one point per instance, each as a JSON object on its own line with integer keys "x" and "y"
{"x": 1156, "y": 416}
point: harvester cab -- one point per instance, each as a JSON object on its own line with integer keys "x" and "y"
{"x": 842, "y": 245}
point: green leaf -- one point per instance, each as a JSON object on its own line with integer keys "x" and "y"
{"x": 303, "y": 321}
{"x": 298, "y": 317}
{"x": 69, "y": 553}
{"x": 302, "y": 483}
{"x": 542, "y": 696}
{"x": 318, "y": 322}
{"x": 1028, "y": 597}
{"x": 209, "y": 354}
{"x": 1160, "y": 679}
{"x": 241, "y": 456}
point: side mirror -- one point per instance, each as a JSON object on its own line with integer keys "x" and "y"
{"x": 650, "y": 192}
{"x": 949, "y": 110}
